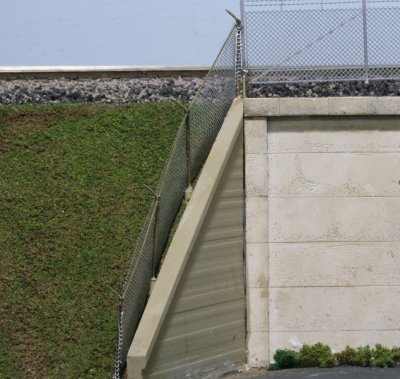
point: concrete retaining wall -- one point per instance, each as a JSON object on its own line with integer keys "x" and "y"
{"x": 323, "y": 223}
{"x": 194, "y": 323}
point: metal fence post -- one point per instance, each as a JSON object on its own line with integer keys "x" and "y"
{"x": 238, "y": 53}
{"x": 365, "y": 39}
{"x": 189, "y": 189}
{"x": 188, "y": 150}
{"x": 238, "y": 63}
{"x": 243, "y": 20}
{"x": 155, "y": 238}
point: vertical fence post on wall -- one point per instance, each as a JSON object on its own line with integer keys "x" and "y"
{"x": 238, "y": 57}
{"x": 243, "y": 20}
{"x": 238, "y": 63}
{"x": 189, "y": 189}
{"x": 155, "y": 238}
{"x": 365, "y": 39}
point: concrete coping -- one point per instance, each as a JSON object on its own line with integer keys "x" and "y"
{"x": 30, "y": 69}
{"x": 323, "y": 106}
{"x": 183, "y": 242}
{"x": 90, "y": 72}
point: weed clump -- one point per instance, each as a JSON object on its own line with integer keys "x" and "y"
{"x": 347, "y": 357}
{"x": 318, "y": 355}
{"x": 382, "y": 356}
{"x": 396, "y": 354}
{"x": 286, "y": 359}
{"x": 364, "y": 356}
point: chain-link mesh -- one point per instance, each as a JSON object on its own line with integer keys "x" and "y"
{"x": 192, "y": 144}
{"x": 209, "y": 109}
{"x": 321, "y": 40}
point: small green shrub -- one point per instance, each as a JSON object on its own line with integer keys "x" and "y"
{"x": 347, "y": 356}
{"x": 285, "y": 359}
{"x": 318, "y": 355}
{"x": 396, "y": 354}
{"x": 328, "y": 361}
{"x": 307, "y": 357}
{"x": 364, "y": 356}
{"x": 382, "y": 356}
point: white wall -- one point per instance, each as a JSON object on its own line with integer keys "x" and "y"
{"x": 113, "y": 32}
{"x": 322, "y": 223}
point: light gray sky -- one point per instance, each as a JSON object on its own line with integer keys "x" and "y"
{"x": 113, "y": 32}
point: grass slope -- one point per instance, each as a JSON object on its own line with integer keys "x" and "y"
{"x": 72, "y": 202}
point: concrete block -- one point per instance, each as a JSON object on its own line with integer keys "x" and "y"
{"x": 389, "y": 105}
{"x": 374, "y": 219}
{"x": 257, "y": 265}
{"x": 321, "y": 174}
{"x": 256, "y": 168}
{"x": 256, "y": 219}
{"x": 303, "y": 106}
{"x": 337, "y": 339}
{"x": 333, "y": 134}
{"x": 353, "y": 105}
{"x": 255, "y": 136}
{"x": 334, "y": 264}
{"x": 334, "y": 308}
{"x": 257, "y": 310}
{"x": 261, "y": 107}
{"x": 257, "y": 349}
{"x": 319, "y": 106}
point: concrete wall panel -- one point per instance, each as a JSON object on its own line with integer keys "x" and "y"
{"x": 334, "y": 308}
{"x": 322, "y": 135}
{"x": 334, "y": 264}
{"x": 325, "y": 174}
{"x": 334, "y": 219}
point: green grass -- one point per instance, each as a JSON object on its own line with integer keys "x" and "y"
{"x": 72, "y": 202}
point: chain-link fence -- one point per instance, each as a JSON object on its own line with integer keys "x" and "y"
{"x": 321, "y": 40}
{"x": 192, "y": 144}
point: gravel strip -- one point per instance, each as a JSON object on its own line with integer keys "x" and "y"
{"x": 117, "y": 91}
{"x": 123, "y": 91}
{"x": 355, "y": 88}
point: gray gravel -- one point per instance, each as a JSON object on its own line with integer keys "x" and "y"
{"x": 117, "y": 91}
{"x": 355, "y": 88}
{"x": 122, "y": 91}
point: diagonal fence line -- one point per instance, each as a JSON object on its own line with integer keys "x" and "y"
{"x": 310, "y": 44}
{"x": 192, "y": 144}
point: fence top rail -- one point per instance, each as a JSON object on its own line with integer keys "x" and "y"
{"x": 284, "y": 5}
